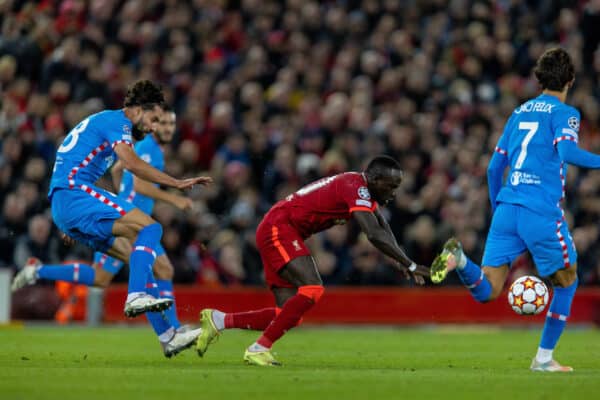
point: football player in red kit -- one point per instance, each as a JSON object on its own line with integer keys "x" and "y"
{"x": 290, "y": 270}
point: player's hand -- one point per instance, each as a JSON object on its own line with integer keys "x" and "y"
{"x": 67, "y": 240}
{"x": 184, "y": 203}
{"x": 190, "y": 182}
{"x": 417, "y": 275}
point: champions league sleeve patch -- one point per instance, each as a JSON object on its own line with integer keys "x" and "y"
{"x": 573, "y": 123}
{"x": 363, "y": 193}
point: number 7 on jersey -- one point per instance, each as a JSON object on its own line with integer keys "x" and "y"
{"x": 532, "y": 127}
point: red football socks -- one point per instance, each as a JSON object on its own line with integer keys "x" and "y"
{"x": 257, "y": 320}
{"x": 290, "y": 314}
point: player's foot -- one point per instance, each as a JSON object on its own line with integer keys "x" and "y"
{"x": 144, "y": 303}
{"x": 180, "y": 341}
{"x": 261, "y": 358}
{"x": 446, "y": 261}
{"x": 27, "y": 275}
{"x": 209, "y": 332}
{"x": 550, "y": 366}
{"x": 185, "y": 328}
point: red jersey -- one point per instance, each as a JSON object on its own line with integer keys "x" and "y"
{"x": 319, "y": 205}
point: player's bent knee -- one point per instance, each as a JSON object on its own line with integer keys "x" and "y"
{"x": 313, "y": 292}
{"x": 565, "y": 278}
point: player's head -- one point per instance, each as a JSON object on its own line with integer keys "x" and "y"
{"x": 384, "y": 175}
{"x": 144, "y": 101}
{"x": 166, "y": 125}
{"x": 554, "y": 70}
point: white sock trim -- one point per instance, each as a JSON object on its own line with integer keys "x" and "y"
{"x": 544, "y": 355}
{"x": 218, "y": 318}
{"x": 462, "y": 261}
{"x": 167, "y": 335}
{"x": 257, "y": 348}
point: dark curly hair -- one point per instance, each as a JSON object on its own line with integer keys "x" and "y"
{"x": 145, "y": 94}
{"x": 554, "y": 69}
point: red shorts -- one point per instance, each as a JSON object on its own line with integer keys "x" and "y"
{"x": 278, "y": 243}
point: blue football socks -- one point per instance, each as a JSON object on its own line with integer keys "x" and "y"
{"x": 142, "y": 257}
{"x": 165, "y": 290}
{"x": 556, "y": 319}
{"x": 158, "y": 320}
{"x": 75, "y": 272}
{"x": 475, "y": 280}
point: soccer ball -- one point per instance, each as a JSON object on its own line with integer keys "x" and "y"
{"x": 528, "y": 295}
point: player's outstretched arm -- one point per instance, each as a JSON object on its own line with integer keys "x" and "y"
{"x": 148, "y": 189}
{"x": 382, "y": 238}
{"x": 142, "y": 169}
{"x": 570, "y": 153}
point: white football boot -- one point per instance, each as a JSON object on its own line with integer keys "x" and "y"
{"x": 27, "y": 275}
{"x": 180, "y": 341}
{"x": 550, "y": 366}
{"x": 144, "y": 303}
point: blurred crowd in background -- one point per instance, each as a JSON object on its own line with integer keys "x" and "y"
{"x": 273, "y": 94}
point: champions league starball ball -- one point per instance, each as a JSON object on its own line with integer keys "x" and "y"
{"x": 528, "y": 295}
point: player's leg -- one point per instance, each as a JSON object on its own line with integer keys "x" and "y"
{"x": 172, "y": 340}
{"x": 164, "y": 271}
{"x": 302, "y": 273}
{"x": 71, "y": 272}
{"x": 145, "y": 233}
{"x": 502, "y": 246}
{"x": 554, "y": 254}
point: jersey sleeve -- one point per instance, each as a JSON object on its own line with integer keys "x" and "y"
{"x": 502, "y": 145}
{"x": 118, "y": 133}
{"x": 144, "y": 151}
{"x": 356, "y": 196}
{"x": 565, "y": 125}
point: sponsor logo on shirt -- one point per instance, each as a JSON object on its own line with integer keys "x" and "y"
{"x": 146, "y": 157}
{"x": 127, "y": 129}
{"x": 363, "y": 193}
{"x": 518, "y": 177}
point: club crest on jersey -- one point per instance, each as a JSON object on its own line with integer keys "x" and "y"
{"x": 573, "y": 123}
{"x": 363, "y": 193}
{"x": 296, "y": 245}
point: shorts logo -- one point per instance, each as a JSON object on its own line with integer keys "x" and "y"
{"x": 573, "y": 123}
{"x": 363, "y": 193}
{"x": 296, "y": 245}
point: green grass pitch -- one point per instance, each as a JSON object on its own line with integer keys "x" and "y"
{"x": 319, "y": 363}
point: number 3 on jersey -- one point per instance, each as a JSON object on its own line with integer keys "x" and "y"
{"x": 532, "y": 127}
{"x": 73, "y": 136}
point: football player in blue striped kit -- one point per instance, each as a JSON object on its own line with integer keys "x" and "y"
{"x": 111, "y": 224}
{"x": 539, "y": 140}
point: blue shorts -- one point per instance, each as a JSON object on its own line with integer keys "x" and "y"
{"x": 516, "y": 229}
{"x": 87, "y": 214}
{"x": 113, "y": 265}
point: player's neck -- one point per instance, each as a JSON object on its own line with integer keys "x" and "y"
{"x": 562, "y": 96}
